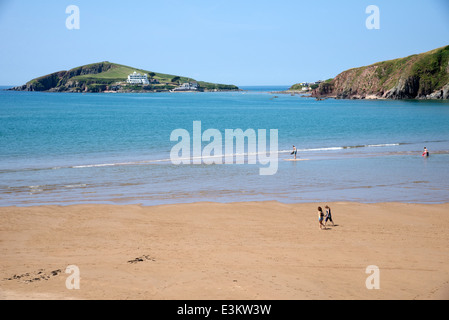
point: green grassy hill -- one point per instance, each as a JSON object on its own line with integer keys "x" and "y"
{"x": 119, "y": 72}
{"x": 419, "y": 76}
{"x": 98, "y": 77}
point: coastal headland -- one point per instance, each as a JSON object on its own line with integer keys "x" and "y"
{"x": 419, "y": 76}
{"x": 112, "y": 77}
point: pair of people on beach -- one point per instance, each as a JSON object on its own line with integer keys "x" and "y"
{"x": 324, "y": 218}
{"x": 426, "y": 152}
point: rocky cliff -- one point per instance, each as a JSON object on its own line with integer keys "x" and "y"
{"x": 422, "y": 76}
{"x": 61, "y": 81}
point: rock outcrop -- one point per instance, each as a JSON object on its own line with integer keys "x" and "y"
{"x": 60, "y": 81}
{"x": 423, "y": 76}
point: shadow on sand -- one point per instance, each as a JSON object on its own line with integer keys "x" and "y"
{"x": 330, "y": 227}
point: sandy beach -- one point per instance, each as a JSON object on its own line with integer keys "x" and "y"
{"x": 256, "y": 250}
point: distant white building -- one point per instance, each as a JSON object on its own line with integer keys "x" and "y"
{"x": 188, "y": 86}
{"x": 137, "y": 78}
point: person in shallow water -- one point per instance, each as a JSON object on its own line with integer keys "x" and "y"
{"x": 295, "y": 151}
{"x": 426, "y": 152}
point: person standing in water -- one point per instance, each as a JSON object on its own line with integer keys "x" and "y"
{"x": 295, "y": 151}
{"x": 426, "y": 152}
{"x": 328, "y": 216}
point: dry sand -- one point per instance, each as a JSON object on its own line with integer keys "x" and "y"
{"x": 258, "y": 250}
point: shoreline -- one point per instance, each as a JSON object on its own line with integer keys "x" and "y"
{"x": 245, "y": 250}
{"x": 302, "y": 94}
{"x": 120, "y": 203}
{"x": 126, "y": 91}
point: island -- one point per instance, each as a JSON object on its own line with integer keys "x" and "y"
{"x": 111, "y": 77}
{"x": 419, "y": 76}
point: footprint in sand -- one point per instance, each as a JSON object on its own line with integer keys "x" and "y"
{"x": 141, "y": 259}
{"x": 38, "y": 275}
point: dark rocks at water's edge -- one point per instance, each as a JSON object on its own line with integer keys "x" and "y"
{"x": 406, "y": 89}
{"x": 442, "y": 94}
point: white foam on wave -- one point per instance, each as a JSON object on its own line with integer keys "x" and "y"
{"x": 252, "y": 154}
{"x": 75, "y": 186}
{"x": 383, "y": 145}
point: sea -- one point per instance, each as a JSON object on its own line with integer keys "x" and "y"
{"x": 113, "y": 148}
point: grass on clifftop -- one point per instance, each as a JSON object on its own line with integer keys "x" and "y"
{"x": 433, "y": 68}
{"x": 120, "y": 72}
{"x": 430, "y": 67}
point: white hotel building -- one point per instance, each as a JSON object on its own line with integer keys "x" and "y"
{"x": 137, "y": 78}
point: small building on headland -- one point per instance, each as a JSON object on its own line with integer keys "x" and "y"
{"x": 114, "y": 87}
{"x": 137, "y": 78}
{"x": 154, "y": 81}
{"x": 188, "y": 86}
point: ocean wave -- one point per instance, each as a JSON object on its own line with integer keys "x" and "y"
{"x": 42, "y": 188}
{"x": 349, "y": 147}
{"x": 374, "y": 145}
{"x": 251, "y": 154}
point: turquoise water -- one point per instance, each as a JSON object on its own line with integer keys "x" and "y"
{"x": 114, "y": 148}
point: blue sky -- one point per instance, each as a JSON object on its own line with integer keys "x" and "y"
{"x": 241, "y": 42}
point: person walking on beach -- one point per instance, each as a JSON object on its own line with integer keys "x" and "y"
{"x": 328, "y": 216}
{"x": 320, "y": 217}
{"x": 426, "y": 152}
{"x": 295, "y": 151}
